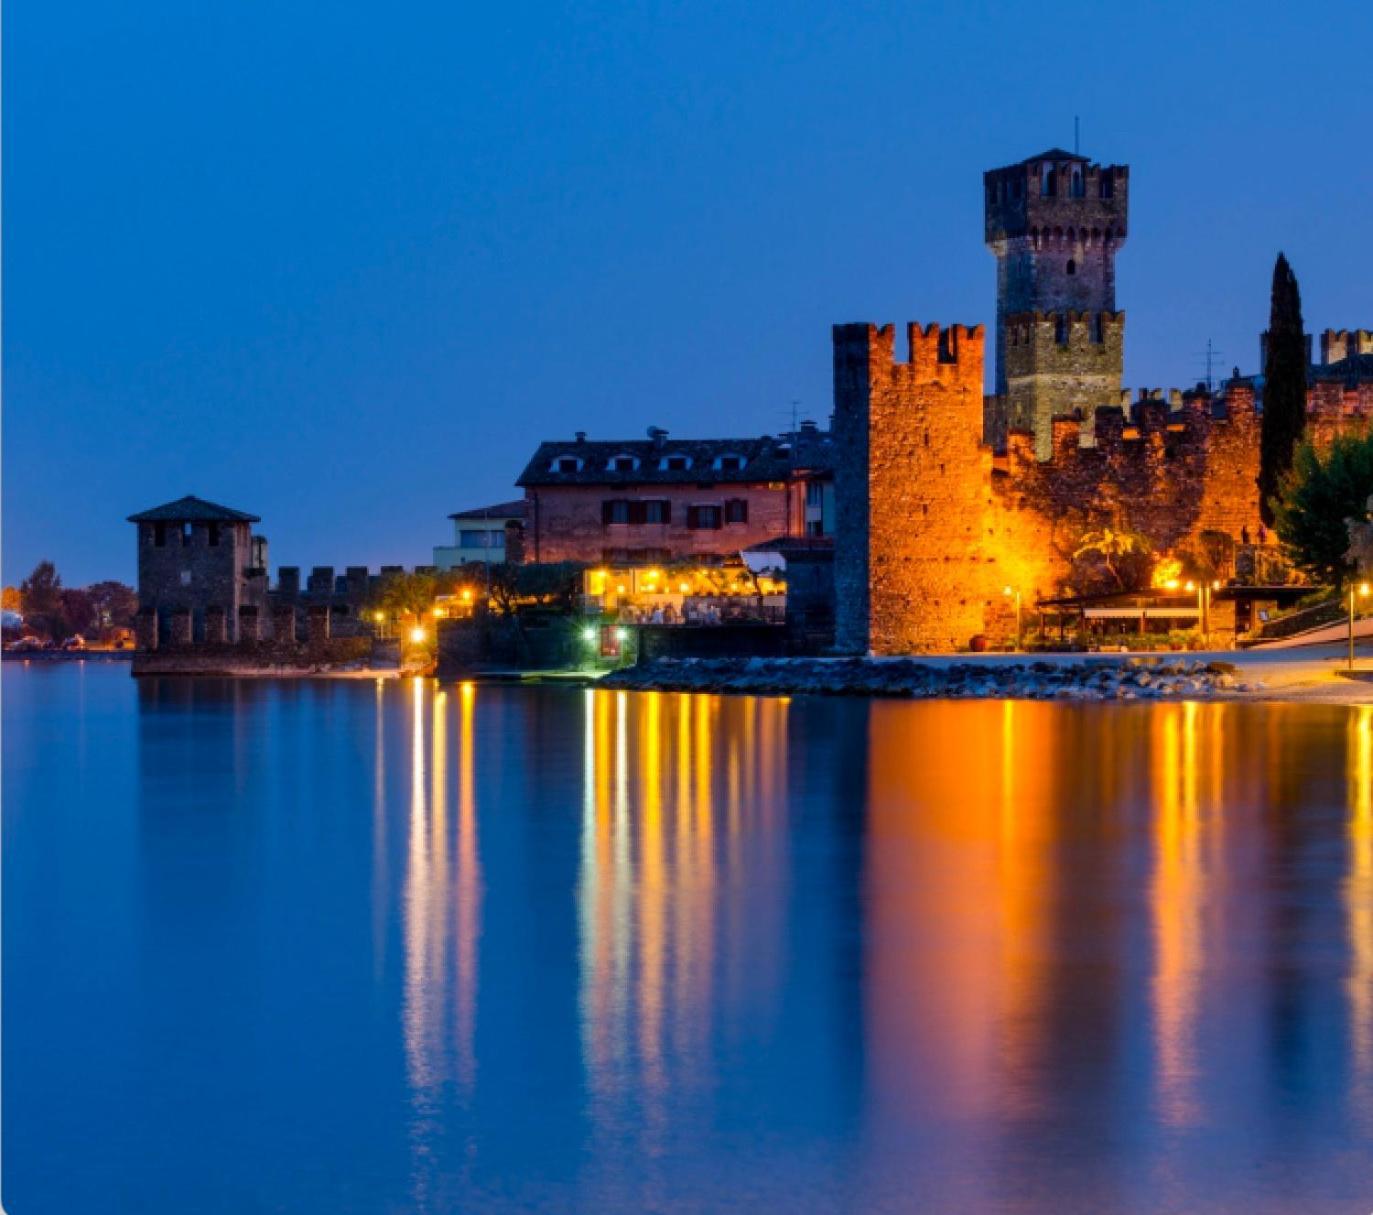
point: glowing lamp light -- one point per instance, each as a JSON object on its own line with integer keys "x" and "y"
{"x": 378, "y": 616}
{"x": 439, "y": 613}
{"x": 1363, "y": 588}
{"x": 621, "y": 634}
{"x": 1191, "y": 586}
{"x": 1172, "y": 584}
{"x": 684, "y": 587}
{"x": 589, "y": 634}
{"x": 466, "y": 594}
{"x": 417, "y": 635}
{"x": 1008, "y": 591}
{"x": 620, "y": 588}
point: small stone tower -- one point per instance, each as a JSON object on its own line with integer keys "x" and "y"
{"x": 199, "y": 565}
{"x": 1055, "y": 222}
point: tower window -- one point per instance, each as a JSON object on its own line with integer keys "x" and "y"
{"x": 1107, "y": 186}
{"x": 1048, "y": 184}
{"x": 1072, "y": 266}
{"x": 1075, "y": 188}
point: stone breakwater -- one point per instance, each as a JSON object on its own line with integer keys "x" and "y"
{"x": 1090, "y": 679}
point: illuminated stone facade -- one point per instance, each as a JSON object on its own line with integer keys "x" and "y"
{"x": 933, "y": 527}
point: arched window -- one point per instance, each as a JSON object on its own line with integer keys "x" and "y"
{"x": 1075, "y": 188}
{"x": 1072, "y": 266}
{"x": 1048, "y": 183}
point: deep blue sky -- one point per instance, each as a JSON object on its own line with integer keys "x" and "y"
{"x": 344, "y": 265}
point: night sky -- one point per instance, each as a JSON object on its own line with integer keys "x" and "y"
{"x": 345, "y": 265}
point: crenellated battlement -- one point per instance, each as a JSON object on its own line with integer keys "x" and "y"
{"x": 1057, "y": 191}
{"x": 1339, "y": 344}
{"x": 1078, "y": 332}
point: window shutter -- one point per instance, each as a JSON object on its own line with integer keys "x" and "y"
{"x": 607, "y": 510}
{"x": 638, "y": 512}
{"x": 666, "y": 511}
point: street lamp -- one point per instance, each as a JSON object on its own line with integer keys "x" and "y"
{"x": 1363, "y": 594}
{"x": 1010, "y": 592}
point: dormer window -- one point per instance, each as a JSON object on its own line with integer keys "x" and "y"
{"x": 566, "y": 464}
{"x": 623, "y": 463}
{"x": 674, "y": 463}
{"x": 729, "y": 463}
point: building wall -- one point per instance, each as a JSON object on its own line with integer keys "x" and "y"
{"x": 1337, "y": 344}
{"x": 933, "y": 530}
{"x": 565, "y": 523}
{"x": 1035, "y": 236}
{"x": 188, "y": 573}
{"x": 1058, "y": 364}
{"x": 923, "y": 550}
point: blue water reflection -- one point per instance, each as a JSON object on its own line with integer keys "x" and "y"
{"x": 410, "y": 947}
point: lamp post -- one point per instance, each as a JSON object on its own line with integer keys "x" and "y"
{"x": 1362, "y": 593}
{"x": 1011, "y": 592}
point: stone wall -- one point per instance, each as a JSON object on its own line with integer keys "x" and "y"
{"x": 1337, "y": 344}
{"x": 923, "y": 550}
{"x": 1059, "y": 363}
{"x": 567, "y": 523}
{"x": 193, "y": 567}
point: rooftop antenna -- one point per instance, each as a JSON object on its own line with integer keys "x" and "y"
{"x": 1213, "y": 358}
{"x": 1077, "y": 131}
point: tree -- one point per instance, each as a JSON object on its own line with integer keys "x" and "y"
{"x": 408, "y": 595}
{"x": 1123, "y": 555}
{"x": 41, "y": 592}
{"x": 78, "y": 613}
{"x": 115, "y": 604}
{"x": 1318, "y": 497}
{"x": 1284, "y": 387}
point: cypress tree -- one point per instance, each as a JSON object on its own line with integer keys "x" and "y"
{"x": 1284, "y": 388}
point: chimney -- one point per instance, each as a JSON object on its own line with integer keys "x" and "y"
{"x": 581, "y": 436}
{"x": 658, "y": 435}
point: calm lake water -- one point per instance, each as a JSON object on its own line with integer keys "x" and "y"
{"x": 347, "y": 947}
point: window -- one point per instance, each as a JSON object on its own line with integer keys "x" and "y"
{"x": 185, "y": 577}
{"x": 566, "y": 464}
{"x": 674, "y": 463}
{"x": 615, "y": 510}
{"x": 623, "y": 463}
{"x": 1075, "y": 188}
{"x": 160, "y": 534}
{"x": 729, "y": 463}
{"x": 1106, "y": 187}
{"x": 657, "y": 511}
{"x": 1048, "y": 182}
{"x": 736, "y": 510}
{"x": 186, "y": 531}
{"x": 815, "y": 491}
{"x": 480, "y": 538}
{"x": 1072, "y": 266}
{"x": 704, "y": 518}
{"x": 815, "y": 527}
{"x": 213, "y": 533}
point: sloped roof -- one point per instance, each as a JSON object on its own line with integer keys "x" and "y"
{"x": 191, "y": 509}
{"x": 764, "y": 459}
{"x": 501, "y": 510}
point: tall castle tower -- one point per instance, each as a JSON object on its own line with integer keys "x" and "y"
{"x": 1055, "y": 222}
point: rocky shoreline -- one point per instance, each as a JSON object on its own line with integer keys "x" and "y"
{"x": 1086, "y": 680}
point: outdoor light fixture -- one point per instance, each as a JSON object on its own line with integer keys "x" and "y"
{"x": 466, "y": 594}
{"x": 378, "y": 616}
{"x": 621, "y": 634}
{"x": 417, "y": 635}
{"x": 1010, "y": 592}
{"x": 684, "y": 587}
{"x": 1363, "y": 589}
{"x": 589, "y": 634}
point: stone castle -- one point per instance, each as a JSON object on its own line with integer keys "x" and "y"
{"x": 949, "y": 503}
